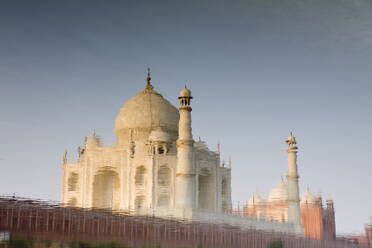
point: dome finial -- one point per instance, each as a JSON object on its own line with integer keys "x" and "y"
{"x": 291, "y": 140}
{"x": 149, "y": 85}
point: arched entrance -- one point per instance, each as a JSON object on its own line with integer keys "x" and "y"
{"x": 106, "y": 190}
{"x": 164, "y": 182}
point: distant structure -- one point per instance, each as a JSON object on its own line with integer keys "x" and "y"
{"x": 369, "y": 233}
{"x": 365, "y": 240}
{"x": 283, "y": 204}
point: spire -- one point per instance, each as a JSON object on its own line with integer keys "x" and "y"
{"x": 65, "y": 157}
{"x": 79, "y": 151}
{"x": 148, "y": 79}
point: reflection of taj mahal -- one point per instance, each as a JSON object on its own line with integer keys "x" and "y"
{"x": 155, "y": 163}
{"x": 157, "y": 168}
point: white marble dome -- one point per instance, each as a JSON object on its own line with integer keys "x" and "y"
{"x": 92, "y": 142}
{"x": 308, "y": 198}
{"x": 280, "y": 193}
{"x": 147, "y": 110}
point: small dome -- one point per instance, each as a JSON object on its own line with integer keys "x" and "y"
{"x": 255, "y": 200}
{"x": 308, "y": 198}
{"x": 185, "y": 92}
{"x": 201, "y": 145}
{"x": 159, "y": 135}
{"x": 93, "y": 141}
{"x": 280, "y": 193}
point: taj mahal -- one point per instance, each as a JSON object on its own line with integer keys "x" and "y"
{"x": 157, "y": 168}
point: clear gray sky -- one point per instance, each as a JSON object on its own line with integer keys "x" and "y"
{"x": 257, "y": 69}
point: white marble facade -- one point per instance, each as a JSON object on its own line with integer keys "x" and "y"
{"x": 154, "y": 166}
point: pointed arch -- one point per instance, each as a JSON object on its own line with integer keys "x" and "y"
{"x": 106, "y": 190}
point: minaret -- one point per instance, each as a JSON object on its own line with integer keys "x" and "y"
{"x": 185, "y": 173}
{"x": 294, "y": 214}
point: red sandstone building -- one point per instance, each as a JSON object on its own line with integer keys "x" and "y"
{"x": 318, "y": 221}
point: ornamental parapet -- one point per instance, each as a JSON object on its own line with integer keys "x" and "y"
{"x": 292, "y": 149}
{"x": 188, "y": 108}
